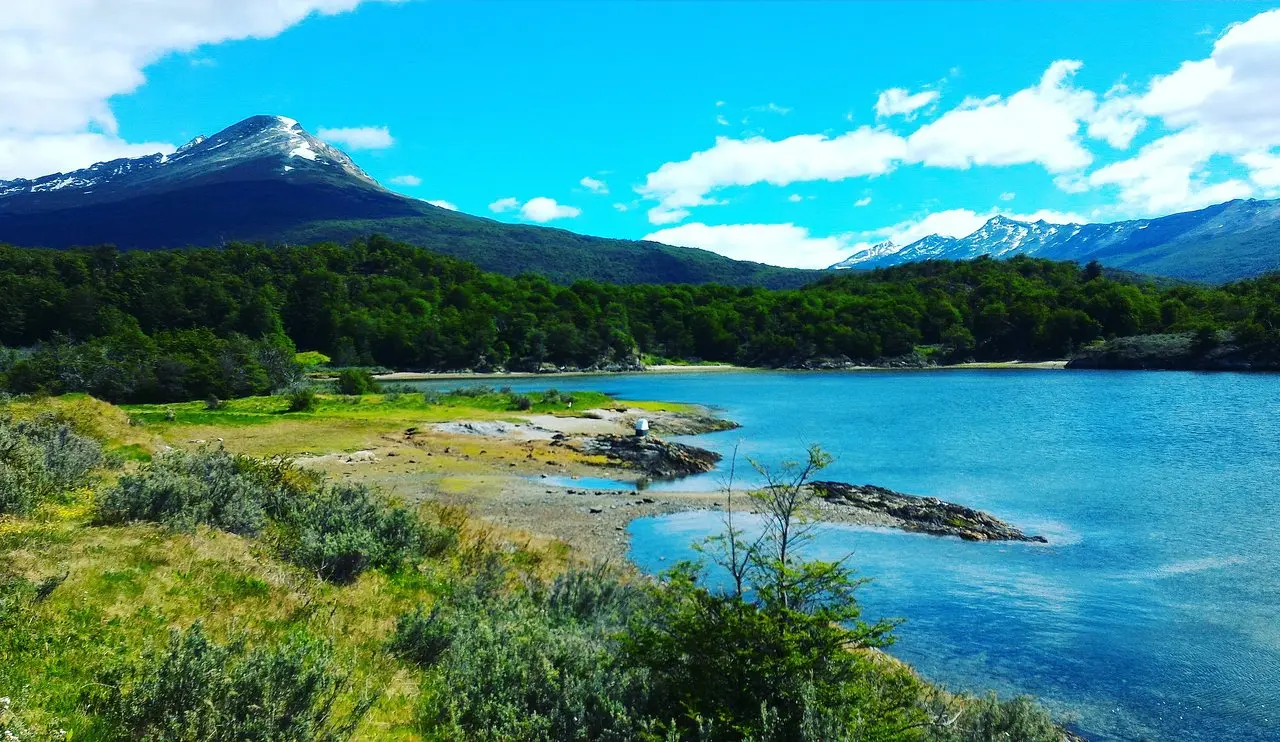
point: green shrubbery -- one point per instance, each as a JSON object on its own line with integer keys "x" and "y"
{"x": 356, "y": 381}
{"x": 199, "y": 690}
{"x": 41, "y": 459}
{"x": 301, "y": 397}
{"x": 340, "y": 530}
{"x": 333, "y": 529}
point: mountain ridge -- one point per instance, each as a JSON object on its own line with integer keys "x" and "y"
{"x": 1227, "y": 241}
{"x": 266, "y": 179}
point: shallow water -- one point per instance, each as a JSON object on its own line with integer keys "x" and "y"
{"x": 1154, "y": 611}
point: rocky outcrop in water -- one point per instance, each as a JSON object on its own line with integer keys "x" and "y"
{"x": 922, "y": 514}
{"x": 655, "y": 457}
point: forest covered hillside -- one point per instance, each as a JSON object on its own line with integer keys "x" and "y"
{"x": 171, "y": 325}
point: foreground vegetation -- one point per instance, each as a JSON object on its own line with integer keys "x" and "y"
{"x": 200, "y": 595}
{"x": 191, "y": 324}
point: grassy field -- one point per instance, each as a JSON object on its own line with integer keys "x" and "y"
{"x": 114, "y": 592}
{"x": 264, "y": 426}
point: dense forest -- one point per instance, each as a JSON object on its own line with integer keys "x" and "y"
{"x": 158, "y": 326}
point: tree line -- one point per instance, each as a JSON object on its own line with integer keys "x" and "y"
{"x": 184, "y": 324}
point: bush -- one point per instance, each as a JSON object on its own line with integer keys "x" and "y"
{"x": 197, "y": 690}
{"x": 355, "y": 381}
{"x": 521, "y": 402}
{"x": 213, "y": 403}
{"x": 507, "y": 667}
{"x": 344, "y": 529}
{"x": 422, "y": 636}
{"x": 184, "y": 490}
{"x": 988, "y": 719}
{"x": 301, "y": 397}
{"x": 41, "y": 459}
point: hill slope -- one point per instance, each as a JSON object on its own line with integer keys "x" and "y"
{"x": 1229, "y": 241}
{"x": 266, "y": 179}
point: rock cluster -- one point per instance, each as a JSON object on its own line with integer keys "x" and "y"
{"x": 655, "y": 457}
{"x": 922, "y": 514}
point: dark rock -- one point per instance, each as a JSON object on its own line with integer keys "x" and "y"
{"x": 657, "y": 458}
{"x": 923, "y": 514}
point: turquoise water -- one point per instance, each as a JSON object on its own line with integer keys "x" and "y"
{"x": 1154, "y": 611}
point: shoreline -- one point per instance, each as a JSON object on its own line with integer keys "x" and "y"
{"x": 406, "y": 376}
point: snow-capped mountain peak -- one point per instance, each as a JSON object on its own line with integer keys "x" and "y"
{"x": 256, "y": 148}
{"x": 879, "y": 250}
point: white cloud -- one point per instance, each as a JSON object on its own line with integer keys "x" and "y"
{"x": 61, "y": 62}
{"x": 776, "y": 244}
{"x": 1008, "y": 196}
{"x": 864, "y": 201}
{"x": 444, "y": 204}
{"x": 1040, "y": 124}
{"x": 543, "y": 209}
{"x": 622, "y": 207}
{"x": 358, "y": 137}
{"x": 902, "y": 102}
{"x": 595, "y": 186}
{"x": 771, "y": 108}
{"x": 1224, "y": 105}
{"x": 722, "y": 120}
{"x": 504, "y": 204}
{"x": 406, "y": 180}
{"x": 664, "y": 215}
{"x": 744, "y": 162}
{"x": 1169, "y": 175}
{"x": 795, "y": 198}
{"x": 1264, "y": 168}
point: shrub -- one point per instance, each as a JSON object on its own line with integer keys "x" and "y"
{"x": 213, "y": 403}
{"x": 989, "y": 719}
{"x": 182, "y": 490}
{"x": 505, "y": 668}
{"x": 301, "y": 397}
{"x": 521, "y": 402}
{"x": 356, "y": 381}
{"x": 197, "y": 689}
{"x": 41, "y": 459}
{"x": 422, "y": 636}
{"x": 344, "y": 529}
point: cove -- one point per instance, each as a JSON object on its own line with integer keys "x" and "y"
{"x": 1154, "y": 610}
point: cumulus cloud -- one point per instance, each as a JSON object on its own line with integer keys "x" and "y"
{"x": 358, "y": 137}
{"x": 444, "y": 204}
{"x": 595, "y": 186}
{"x": 743, "y": 162}
{"x": 1040, "y": 124}
{"x": 540, "y": 209}
{"x": 902, "y": 102}
{"x": 543, "y": 209}
{"x": 1008, "y": 196}
{"x": 1222, "y": 106}
{"x": 61, "y": 62}
{"x": 406, "y": 180}
{"x": 776, "y": 244}
{"x": 864, "y": 201}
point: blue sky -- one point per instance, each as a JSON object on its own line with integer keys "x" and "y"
{"x": 749, "y": 128}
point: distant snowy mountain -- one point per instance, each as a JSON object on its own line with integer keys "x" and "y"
{"x": 261, "y": 146}
{"x": 266, "y": 179}
{"x": 881, "y": 250}
{"x": 1228, "y": 241}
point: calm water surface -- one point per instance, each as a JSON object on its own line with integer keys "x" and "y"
{"x": 1154, "y": 611}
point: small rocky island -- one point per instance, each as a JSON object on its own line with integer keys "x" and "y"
{"x": 921, "y": 514}
{"x": 654, "y": 457}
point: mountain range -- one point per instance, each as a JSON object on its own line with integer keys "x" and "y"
{"x": 266, "y": 179}
{"x": 1233, "y": 240}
